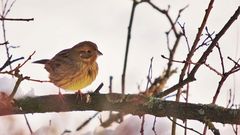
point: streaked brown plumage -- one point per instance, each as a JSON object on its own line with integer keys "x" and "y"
{"x": 73, "y": 68}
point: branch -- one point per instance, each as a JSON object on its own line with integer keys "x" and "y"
{"x": 9, "y": 62}
{"x": 131, "y": 104}
{"x": 203, "y": 58}
{"x": 128, "y": 44}
{"x": 17, "y": 19}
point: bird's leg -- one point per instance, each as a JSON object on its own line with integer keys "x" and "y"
{"x": 60, "y": 95}
{"x": 79, "y": 94}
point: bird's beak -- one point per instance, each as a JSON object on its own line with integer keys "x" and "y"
{"x": 99, "y": 53}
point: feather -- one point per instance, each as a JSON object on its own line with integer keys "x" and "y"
{"x": 43, "y": 61}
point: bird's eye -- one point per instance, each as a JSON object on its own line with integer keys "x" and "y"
{"x": 88, "y": 51}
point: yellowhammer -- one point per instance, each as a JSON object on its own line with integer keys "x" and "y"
{"x": 73, "y": 68}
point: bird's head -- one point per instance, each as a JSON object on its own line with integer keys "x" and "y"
{"x": 85, "y": 52}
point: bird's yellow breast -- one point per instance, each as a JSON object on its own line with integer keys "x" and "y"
{"x": 79, "y": 83}
{"x": 79, "y": 80}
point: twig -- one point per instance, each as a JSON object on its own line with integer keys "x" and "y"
{"x": 9, "y": 9}
{"x": 213, "y": 69}
{"x": 4, "y": 7}
{"x": 110, "y": 84}
{"x": 142, "y": 125}
{"x": 36, "y": 80}
{"x": 224, "y": 77}
{"x": 203, "y": 58}
{"x": 20, "y": 79}
{"x": 5, "y": 40}
{"x": 27, "y": 122}
{"x": 215, "y": 40}
{"x": 219, "y": 51}
{"x": 230, "y": 98}
{"x": 191, "y": 129}
{"x": 87, "y": 121}
{"x": 4, "y": 43}
{"x": 66, "y": 131}
{"x": 149, "y": 76}
{"x": 165, "y": 12}
{"x": 127, "y": 45}
{"x": 5, "y": 11}
{"x": 98, "y": 88}
{"x": 16, "y": 19}
{"x": 206, "y": 41}
{"x": 160, "y": 82}
{"x": 154, "y": 124}
{"x": 190, "y": 55}
{"x": 184, "y": 35}
{"x": 235, "y": 62}
{"x": 8, "y": 62}
{"x": 29, "y": 58}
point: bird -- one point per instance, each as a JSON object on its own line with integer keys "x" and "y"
{"x": 74, "y": 68}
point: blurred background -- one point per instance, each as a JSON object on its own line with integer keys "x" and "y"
{"x": 60, "y": 24}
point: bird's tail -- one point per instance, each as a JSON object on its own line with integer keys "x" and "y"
{"x": 43, "y": 61}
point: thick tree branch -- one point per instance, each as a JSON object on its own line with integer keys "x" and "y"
{"x": 129, "y": 104}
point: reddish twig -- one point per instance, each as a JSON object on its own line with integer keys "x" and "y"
{"x": 203, "y": 58}
{"x": 234, "y": 69}
{"x": 213, "y": 69}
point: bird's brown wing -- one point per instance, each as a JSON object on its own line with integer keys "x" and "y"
{"x": 42, "y": 61}
{"x": 60, "y": 65}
